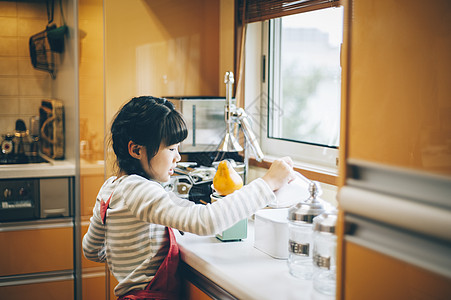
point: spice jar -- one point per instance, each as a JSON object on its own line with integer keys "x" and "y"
{"x": 300, "y": 234}
{"x": 324, "y": 252}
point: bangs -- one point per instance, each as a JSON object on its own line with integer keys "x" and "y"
{"x": 174, "y": 129}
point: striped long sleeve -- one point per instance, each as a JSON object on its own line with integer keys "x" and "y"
{"x": 134, "y": 241}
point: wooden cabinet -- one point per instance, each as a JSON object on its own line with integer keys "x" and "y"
{"x": 194, "y": 293}
{"x": 37, "y": 260}
{"x": 370, "y": 275}
{"x": 396, "y": 111}
{"x": 37, "y": 250}
{"x": 399, "y": 71}
{"x": 94, "y": 286}
{"x": 54, "y": 290}
{"x": 198, "y": 287}
{"x": 90, "y": 185}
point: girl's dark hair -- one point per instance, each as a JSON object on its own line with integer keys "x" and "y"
{"x": 147, "y": 121}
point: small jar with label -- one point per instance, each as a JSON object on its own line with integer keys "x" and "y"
{"x": 300, "y": 234}
{"x": 324, "y": 252}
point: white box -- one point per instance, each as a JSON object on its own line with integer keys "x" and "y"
{"x": 271, "y": 232}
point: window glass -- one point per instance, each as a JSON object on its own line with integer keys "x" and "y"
{"x": 305, "y": 77}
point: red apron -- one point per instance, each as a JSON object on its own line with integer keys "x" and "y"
{"x": 166, "y": 284}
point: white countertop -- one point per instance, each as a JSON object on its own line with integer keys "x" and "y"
{"x": 242, "y": 270}
{"x": 55, "y": 168}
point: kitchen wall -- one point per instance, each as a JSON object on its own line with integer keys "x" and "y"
{"x": 166, "y": 48}
{"x": 21, "y": 86}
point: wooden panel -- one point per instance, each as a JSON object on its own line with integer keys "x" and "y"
{"x": 194, "y": 293}
{"x": 91, "y": 78}
{"x": 94, "y": 287}
{"x": 56, "y": 290}
{"x": 399, "y": 91}
{"x": 90, "y": 186}
{"x": 370, "y": 275}
{"x": 39, "y": 250}
{"x": 113, "y": 282}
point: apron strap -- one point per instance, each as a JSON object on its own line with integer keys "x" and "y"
{"x": 166, "y": 276}
{"x": 103, "y": 208}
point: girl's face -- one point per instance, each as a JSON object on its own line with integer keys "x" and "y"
{"x": 162, "y": 165}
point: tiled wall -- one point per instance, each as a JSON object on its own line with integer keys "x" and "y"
{"x": 21, "y": 87}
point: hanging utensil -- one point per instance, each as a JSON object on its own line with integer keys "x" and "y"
{"x": 44, "y": 44}
{"x": 55, "y": 35}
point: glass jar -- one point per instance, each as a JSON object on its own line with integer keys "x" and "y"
{"x": 300, "y": 234}
{"x": 325, "y": 252}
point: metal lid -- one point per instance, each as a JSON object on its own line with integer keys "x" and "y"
{"x": 305, "y": 211}
{"x": 325, "y": 222}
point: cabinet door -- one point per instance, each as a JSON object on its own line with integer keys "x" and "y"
{"x": 399, "y": 91}
{"x": 194, "y": 293}
{"x": 371, "y": 275}
{"x": 36, "y": 250}
{"x": 113, "y": 282}
{"x": 90, "y": 185}
{"x": 53, "y": 290}
{"x": 94, "y": 286}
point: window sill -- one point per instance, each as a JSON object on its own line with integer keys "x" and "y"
{"x": 325, "y": 175}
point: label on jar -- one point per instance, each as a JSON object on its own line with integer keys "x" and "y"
{"x": 322, "y": 262}
{"x": 298, "y": 248}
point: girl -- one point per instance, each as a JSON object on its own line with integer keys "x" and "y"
{"x": 133, "y": 215}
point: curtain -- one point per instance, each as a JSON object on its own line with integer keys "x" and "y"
{"x": 260, "y": 10}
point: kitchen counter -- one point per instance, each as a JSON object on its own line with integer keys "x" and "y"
{"x": 242, "y": 270}
{"x": 54, "y": 168}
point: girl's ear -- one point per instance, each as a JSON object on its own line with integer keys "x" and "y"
{"x": 134, "y": 150}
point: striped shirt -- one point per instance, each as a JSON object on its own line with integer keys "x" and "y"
{"x": 134, "y": 241}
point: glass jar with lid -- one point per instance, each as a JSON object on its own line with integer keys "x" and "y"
{"x": 324, "y": 252}
{"x": 300, "y": 234}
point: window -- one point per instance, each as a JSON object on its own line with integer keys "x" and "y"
{"x": 300, "y": 93}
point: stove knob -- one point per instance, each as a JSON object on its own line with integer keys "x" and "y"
{"x": 7, "y": 193}
{"x": 23, "y": 191}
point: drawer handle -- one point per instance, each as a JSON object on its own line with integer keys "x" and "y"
{"x": 55, "y": 211}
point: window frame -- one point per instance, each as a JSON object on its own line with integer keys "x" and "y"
{"x": 257, "y": 73}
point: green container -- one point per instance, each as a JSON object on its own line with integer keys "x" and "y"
{"x": 235, "y": 233}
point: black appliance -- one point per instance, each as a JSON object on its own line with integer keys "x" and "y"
{"x": 35, "y": 198}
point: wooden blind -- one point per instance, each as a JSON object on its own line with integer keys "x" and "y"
{"x": 260, "y": 10}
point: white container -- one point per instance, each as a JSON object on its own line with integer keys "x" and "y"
{"x": 271, "y": 232}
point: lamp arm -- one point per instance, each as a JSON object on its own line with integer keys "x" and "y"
{"x": 243, "y": 118}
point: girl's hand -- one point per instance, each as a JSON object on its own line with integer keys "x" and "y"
{"x": 280, "y": 173}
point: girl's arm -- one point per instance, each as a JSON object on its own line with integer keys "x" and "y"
{"x": 93, "y": 241}
{"x": 149, "y": 202}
